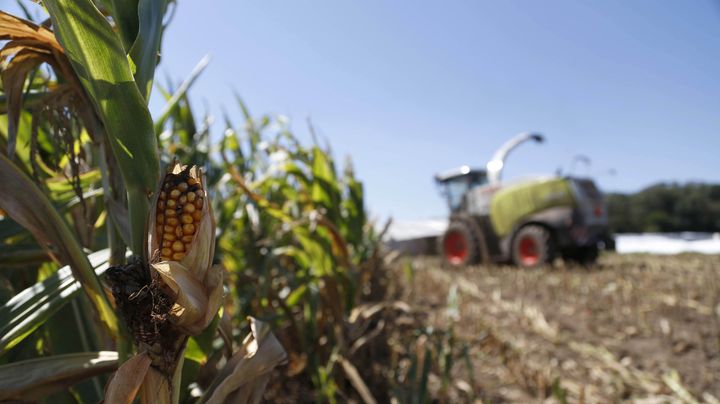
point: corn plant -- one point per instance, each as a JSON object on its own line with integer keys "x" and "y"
{"x": 83, "y": 163}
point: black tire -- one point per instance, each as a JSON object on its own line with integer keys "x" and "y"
{"x": 533, "y": 247}
{"x": 459, "y": 245}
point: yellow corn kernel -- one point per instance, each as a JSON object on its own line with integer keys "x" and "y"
{"x": 188, "y": 229}
{"x": 178, "y": 246}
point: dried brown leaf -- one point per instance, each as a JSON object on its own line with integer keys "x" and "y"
{"x": 28, "y": 46}
{"x": 244, "y": 378}
{"x": 14, "y": 28}
{"x": 13, "y": 77}
{"x": 126, "y": 382}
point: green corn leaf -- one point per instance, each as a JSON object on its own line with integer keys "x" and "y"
{"x": 125, "y": 14}
{"x": 194, "y": 352}
{"x": 253, "y": 130}
{"x": 61, "y": 185}
{"x": 72, "y": 330}
{"x": 200, "y": 347}
{"x": 22, "y": 152}
{"x": 298, "y": 254}
{"x": 34, "y": 379}
{"x": 318, "y": 250}
{"x": 30, "y": 208}
{"x": 353, "y": 207}
{"x": 99, "y": 60}
{"x": 30, "y": 308}
{"x": 296, "y": 296}
{"x": 180, "y": 93}
{"x": 144, "y": 52}
{"x": 325, "y": 185}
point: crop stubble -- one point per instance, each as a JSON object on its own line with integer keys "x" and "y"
{"x": 633, "y": 327}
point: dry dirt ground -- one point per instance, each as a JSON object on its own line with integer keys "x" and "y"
{"x": 636, "y": 328}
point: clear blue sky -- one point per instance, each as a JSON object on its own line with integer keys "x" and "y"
{"x": 410, "y": 88}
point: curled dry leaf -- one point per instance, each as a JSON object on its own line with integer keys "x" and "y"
{"x": 28, "y": 46}
{"x": 244, "y": 378}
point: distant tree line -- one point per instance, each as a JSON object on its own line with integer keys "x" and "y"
{"x": 666, "y": 208}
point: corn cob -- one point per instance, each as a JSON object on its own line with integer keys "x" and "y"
{"x": 178, "y": 214}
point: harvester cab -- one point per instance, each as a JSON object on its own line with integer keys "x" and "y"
{"x": 527, "y": 222}
{"x": 454, "y": 184}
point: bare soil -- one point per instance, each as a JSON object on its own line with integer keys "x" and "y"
{"x": 638, "y": 328}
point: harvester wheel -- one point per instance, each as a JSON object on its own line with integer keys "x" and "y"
{"x": 532, "y": 247}
{"x": 459, "y": 245}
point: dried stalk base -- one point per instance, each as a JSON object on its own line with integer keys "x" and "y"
{"x": 145, "y": 307}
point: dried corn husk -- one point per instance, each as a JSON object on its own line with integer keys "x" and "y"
{"x": 182, "y": 258}
{"x": 126, "y": 382}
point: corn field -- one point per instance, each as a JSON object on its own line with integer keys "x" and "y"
{"x": 153, "y": 260}
{"x": 186, "y": 259}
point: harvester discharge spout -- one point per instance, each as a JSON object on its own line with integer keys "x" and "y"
{"x": 496, "y": 164}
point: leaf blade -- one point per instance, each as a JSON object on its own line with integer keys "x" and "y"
{"x": 36, "y": 378}
{"x": 30, "y": 308}
{"x": 144, "y": 52}
{"x": 30, "y": 208}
